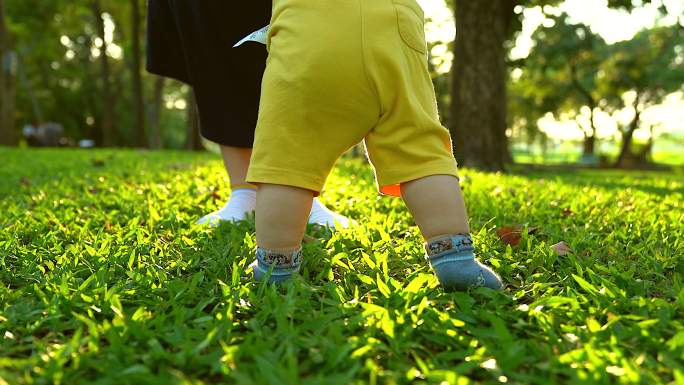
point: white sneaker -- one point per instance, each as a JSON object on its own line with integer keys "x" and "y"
{"x": 323, "y": 216}
{"x": 242, "y": 203}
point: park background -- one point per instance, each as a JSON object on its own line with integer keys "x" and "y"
{"x": 539, "y": 81}
{"x": 106, "y": 279}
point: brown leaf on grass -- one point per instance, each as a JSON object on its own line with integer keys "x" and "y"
{"x": 108, "y": 226}
{"x": 24, "y": 181}
{"x": 567, "y": 212}
{"x": 561, "y": 248}
{"x": 513, "y": 235}
{"x": 509, "y": 235}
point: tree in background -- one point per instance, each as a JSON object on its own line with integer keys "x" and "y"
{"x": 485, "y": 30}
{"x": 108, "y": 125}
{"x": 640, "y": 73}
{"x": 561, "y": 74}
{"x": 64, "y": 77}
{"x": 8, "y": 131}
{"x": 156, "y": 112}
{"x": 478, "y": 112}
{"x": 571, "y": 69}
{"x": 141, "y": 139}
{"x": 527, "y": 105}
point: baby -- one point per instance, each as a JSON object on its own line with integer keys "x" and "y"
{"x": 342, "y": 71}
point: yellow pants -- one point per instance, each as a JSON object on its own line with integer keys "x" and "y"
{"x": 343, "y": 71}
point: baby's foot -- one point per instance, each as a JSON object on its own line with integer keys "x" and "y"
{"x": 323, "y": 216}
{"x": 453, "y": 260}
{"x": 283, "y": 262}
{"x": 241, "y": 203}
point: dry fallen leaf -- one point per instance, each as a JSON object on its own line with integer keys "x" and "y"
{"x": 566, "y": 212}
{"x": 561, "y": 248}
{"x": 513, "y": 235}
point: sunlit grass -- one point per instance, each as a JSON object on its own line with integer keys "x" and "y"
{"x": 104, "y": 279}
{"x": 660, "y": 158}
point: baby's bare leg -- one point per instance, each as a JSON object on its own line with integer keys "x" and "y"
{"x": 281, "y": 217}
{"x": 437, "y": 205}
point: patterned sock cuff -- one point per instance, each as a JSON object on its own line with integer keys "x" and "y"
{"x": 449, "y": 244}
{"x": 280, "y": 258}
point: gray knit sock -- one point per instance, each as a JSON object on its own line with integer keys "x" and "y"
{"x": 283, "y": 262}
{"x": 452, "y": 258}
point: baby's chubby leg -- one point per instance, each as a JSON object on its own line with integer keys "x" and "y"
{"x": 281, "y": 218}
{"x": 437, "y": 205}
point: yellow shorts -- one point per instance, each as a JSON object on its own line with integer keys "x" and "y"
{"x": 343, "y": 71}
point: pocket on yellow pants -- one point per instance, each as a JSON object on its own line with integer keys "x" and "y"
{"x": 411, "y": 21}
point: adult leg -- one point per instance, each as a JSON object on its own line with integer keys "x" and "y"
{"x": 236, "y": 161}
{"x": 242, "y": 200}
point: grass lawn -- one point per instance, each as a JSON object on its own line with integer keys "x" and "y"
{"x": 104, "y": 279}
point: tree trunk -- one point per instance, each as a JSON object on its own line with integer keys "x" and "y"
{"x": 141, "y": 139}
{"x": 8, "y": 69}
{"x": 91, "y": 94}
{"x": 628, "y": 137}
{"x": 24, "y": 81}
{"x": 626, "y": 148}
{"x": 155, "y": 119}
{"x": 193, "y": 141}
{"x": 478, "y": 110}
{"x": 645, "y": 156}
{"x": 648, "y": 150}
{"x": 107, "y": 121}
{"x": 589, "y": 145}
{"x": 590, "y": 139}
